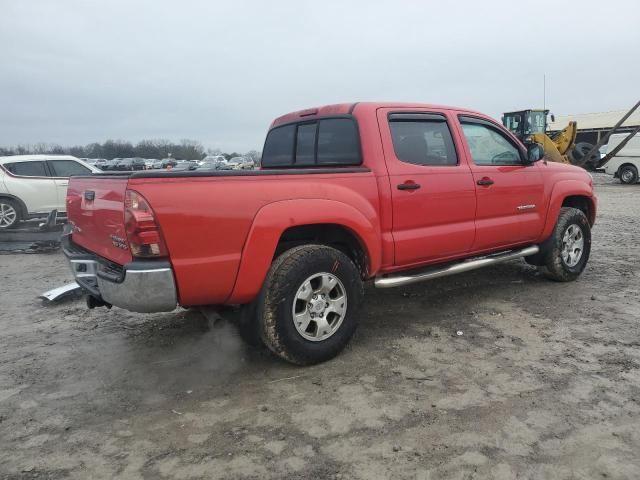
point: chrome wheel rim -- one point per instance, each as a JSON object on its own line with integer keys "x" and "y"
{"x": 8, "y": 215}
{"x": 319, "y": 307}
{"x": 627, "y": 175}
{"x": 572, "y": 245}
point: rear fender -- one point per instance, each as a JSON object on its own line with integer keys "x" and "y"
{"x": 562, "y": 190}
{"x": 273, "y": 219}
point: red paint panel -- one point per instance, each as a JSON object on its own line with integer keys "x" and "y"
{"x": 205, "y": 221}
{"x": 99, "y": 223}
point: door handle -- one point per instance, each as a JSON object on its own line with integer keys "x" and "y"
{"x": 485, "y": 181}
{"x": 408, "y": 186}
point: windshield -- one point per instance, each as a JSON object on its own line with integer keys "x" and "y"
{"x": 535, "y": 123}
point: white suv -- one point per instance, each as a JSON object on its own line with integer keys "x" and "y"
{"x": 33, "y": 185}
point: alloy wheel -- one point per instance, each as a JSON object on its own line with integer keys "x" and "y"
{"x": 319, "y": 306}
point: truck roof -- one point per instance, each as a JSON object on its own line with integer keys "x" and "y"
{"x": 348, "y": 108}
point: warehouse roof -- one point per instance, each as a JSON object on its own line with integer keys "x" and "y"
{"x": 596, "y": 121}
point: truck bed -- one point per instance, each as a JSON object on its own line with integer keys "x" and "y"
{"x": 205, "y": 217}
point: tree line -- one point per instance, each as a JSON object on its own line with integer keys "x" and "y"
{"x": 183, "y": 150}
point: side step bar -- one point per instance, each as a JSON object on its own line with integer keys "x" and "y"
{"x": 398, "y": 280}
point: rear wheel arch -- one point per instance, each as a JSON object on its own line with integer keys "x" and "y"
{"x": 24, "y": 212}
{"x": 330, "y": 234}
{"x": 280, "y": 226}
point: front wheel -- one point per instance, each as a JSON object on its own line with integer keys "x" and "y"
{"x": 570, "y": 246}
{"x": 628, "y": 174}
{"x": 308, "y": 309}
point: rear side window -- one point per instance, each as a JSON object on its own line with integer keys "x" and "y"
{"x": 67, "y": 168}
{"x": 330, "y": 141}
{"x": 338, "y": 142}
{"x": 27, "y": 169}
{"x": 278, "y": 148}
{"x": 422, "y": 140}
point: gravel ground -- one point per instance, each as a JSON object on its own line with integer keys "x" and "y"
{"x": 544, "y": 382}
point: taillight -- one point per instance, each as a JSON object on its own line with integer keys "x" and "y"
{"x": 143, "y": 232}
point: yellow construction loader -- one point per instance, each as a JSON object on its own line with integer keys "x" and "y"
{"x": 531, "y": 126}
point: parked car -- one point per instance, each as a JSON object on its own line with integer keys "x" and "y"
{"x": 395, "y": 193}
{"x": 148, "y": 163}
{"x": 241, "y": 163}
{"x": 96, "y": 162}
{"x": 110, "y": 164}
{"x": 625, "y": 165}
{"x": 213, "y": 165}
{"x": 130, "y": 164}
{"x": 214, "y": 158}
{"x": 34, "y": 185}
{"x": 168, "y": 161}
{"x": 235, "y": 163}
{"x": 186, "y": 165}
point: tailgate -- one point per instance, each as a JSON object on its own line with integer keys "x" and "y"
{"x": 95, "y": 208}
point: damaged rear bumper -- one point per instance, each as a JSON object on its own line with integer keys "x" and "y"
{"x": 140, "y": 286}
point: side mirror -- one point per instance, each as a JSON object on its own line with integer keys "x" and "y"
{"x": 535, "y": 152}
{"x": 553, "y": 117}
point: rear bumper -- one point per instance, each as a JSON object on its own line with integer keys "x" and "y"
{"x": 140, "y": 286}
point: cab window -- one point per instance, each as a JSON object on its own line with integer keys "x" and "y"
{"x": 422, "y": 139}
{"x": 488, "y": 146}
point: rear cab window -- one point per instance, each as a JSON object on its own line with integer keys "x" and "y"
{"x": 323, "y": 142}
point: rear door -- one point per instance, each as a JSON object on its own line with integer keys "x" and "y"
{"x": 61, "y": 170}
{"x": 433, "y": 194}
{"x": 510, "y": 191}
{"x": 30, "y": 182}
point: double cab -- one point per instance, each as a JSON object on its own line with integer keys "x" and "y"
{"x": 392, "y": 193}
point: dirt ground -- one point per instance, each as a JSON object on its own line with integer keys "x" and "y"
{"x": 543, "y": 383}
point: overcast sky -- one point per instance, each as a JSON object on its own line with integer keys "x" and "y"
{"x": 74, "y": 72}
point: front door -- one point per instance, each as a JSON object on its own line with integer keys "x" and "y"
{"x": 432, "y": 189}
{"x": 510, "y": 190}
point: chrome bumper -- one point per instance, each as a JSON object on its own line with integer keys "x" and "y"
{"x": 140, "y": 286}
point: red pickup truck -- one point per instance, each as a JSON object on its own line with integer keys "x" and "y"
{"x": 391, "y": 192}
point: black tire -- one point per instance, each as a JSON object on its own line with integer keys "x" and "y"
{"x": 578, "y": 155}
{"x": 557, "y": 266}
{"x": 10, "y": 213}
{"x": 276, "y": 304}
{"x": 628, "y": 174}
{"x": 248, "y": 326}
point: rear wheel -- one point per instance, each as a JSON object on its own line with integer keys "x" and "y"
{"x": 308, "y": 309}
{"x": 569, "y": 247}
{"x": 628, "y": 174}
{"x": 9, "y": 213}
